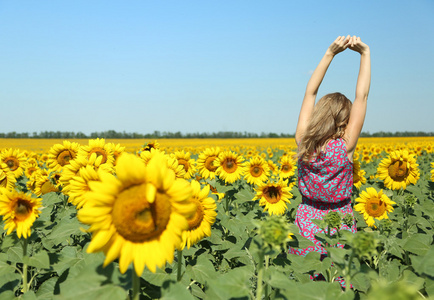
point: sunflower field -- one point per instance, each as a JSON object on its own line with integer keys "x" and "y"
{"x": 208, "y": 219}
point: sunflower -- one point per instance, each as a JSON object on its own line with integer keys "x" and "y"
{"x": 19, "y": 211}
{"x": 398, "y": 170}
{"x": 117, "y": 150}
{"x": 7, "y": 177}
{"x": 184, "y": 159}
{"x": 60, "y": 155}
{"x": 199, "y": 224}
{"x": 373, "y": 205}
{"x": 75, "y": 165}
{"x": 139, "y": 215}
{"x": 358, "y": 175}
{"x": 78, "y": 188}
{"x": 274, "y": 196}
{"x": 43, "y": 184}
{"x": 100, "y": 148}
{"x": 257, "y": 170}
{"x": 273, "y": 167}
{"x": 230, "y": 166}
{"x": 287, "y": 167}
{"x": 31, "y": 167}
{"x": 205, "y": 162}
{"x": 150, "y": 145}
{"x": 432, "y": 171}
{"x": 15, "y": 160}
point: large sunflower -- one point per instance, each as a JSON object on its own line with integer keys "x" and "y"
{"x": 19, "y": 211}
{"x": 398, "y": 170}
{"x": 60, "y": 155}
{"x": 274, "y": 196}
{"x": 139, "y": 215}
{"x": 15, "y": 160}
{"x": 205, "y": 162}
{"x": 199, "y": 224}
{"x": 287, "y": 167}
{"x": 373, "y": 204}
{"x": 257, "y": 170}
{"x": 230, "y": 166}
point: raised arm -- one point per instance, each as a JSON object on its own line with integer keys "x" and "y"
{"x": 358, "y": 110}
{"x": 339, "y": 45}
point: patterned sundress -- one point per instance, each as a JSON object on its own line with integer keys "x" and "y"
{"x": 325, "y": 185}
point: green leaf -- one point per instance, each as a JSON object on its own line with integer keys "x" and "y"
{"x": 64, "y": 230}
{"x": 425, "y": 264}
{"x": 418, "y": 244}
{"x": 202, "y": 271}
{"x": 234, "y": 284}
{"x": 30, "y": 295}
{"x": 46, "y": 290}
{"x": 39, "y": 260}
{"x": 15, "y": 254}
{"x": 159, "y": 277}
{"x": 176, "y": 291}
{"x": 5, "y": 268}
{"x": 277, "y": 279}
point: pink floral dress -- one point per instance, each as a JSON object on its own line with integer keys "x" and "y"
{"x": 325, "y": 185}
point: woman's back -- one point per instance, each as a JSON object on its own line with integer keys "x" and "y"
{"x": 329, "y": 177}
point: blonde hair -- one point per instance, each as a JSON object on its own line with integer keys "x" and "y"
{"x": 328, "y": 121}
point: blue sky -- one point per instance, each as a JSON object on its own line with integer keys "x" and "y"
{"x": 207, "y": 66}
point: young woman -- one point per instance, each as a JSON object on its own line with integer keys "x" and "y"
{"x": 326, "y": 135}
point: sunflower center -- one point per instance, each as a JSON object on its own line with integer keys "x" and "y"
{"x": 398, "y": 170}
{"x": 136, "y": 219}
{"x": 230, "y": 165}
{"x": 64, "y": 157}
{"x": 12, "y": 163}
{"x": 195, "y": 220}
{"x": 272, "y": 194}
{"x": 184, "y": 163}
{"x": 286, "y": 168}
{"x": 256, "y": 171}
{"x": 99, "y": 152}
{"x": 47, "y": 187}
{"x": 209, "y": 163}
{"x": 22, "y": 209}
{"x": 375, "y": 207}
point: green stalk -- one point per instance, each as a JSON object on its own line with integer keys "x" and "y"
{"x": 259, "y": 285}
{"x": 348, "y": 272}
{"x": 267, "y": 259}
{"x": 136, "y": 286}
{"x": 178, "y": 277}
{"x": 24, "y": 274}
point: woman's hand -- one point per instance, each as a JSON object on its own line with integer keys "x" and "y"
{"x": 339, "y": 45}
{"x": 357, "y": 45}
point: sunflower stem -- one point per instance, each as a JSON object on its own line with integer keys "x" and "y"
{"x": 267, "y": 259}
{"x": 179, "y": 275}
{"x": 259, "y": 284}
{"x": 24, "y": 274}
{"x": 136, "y": 286}
{"x": 348, "y": 272}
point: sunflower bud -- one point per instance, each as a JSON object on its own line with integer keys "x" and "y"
{"x": 410, "y": 201}
{"x": 333, "y": 219}
{"x": 364, "y": 244}
{"x": 348, "y": 220}
{"x": 275, "y": 232}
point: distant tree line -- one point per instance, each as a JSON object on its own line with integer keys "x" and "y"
{"x": 112, "y": 134}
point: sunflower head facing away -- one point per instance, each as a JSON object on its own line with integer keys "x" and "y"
{"x": 19, "y": 211}
{"x": 138, "y": 215}
{"x": 373, "y": 205}
{"x": 398, "y": 170}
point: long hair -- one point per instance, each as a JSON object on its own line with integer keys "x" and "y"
{"x": 328, "y": 121}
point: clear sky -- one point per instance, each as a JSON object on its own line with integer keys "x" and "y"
{"x": 207, "y": 66}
